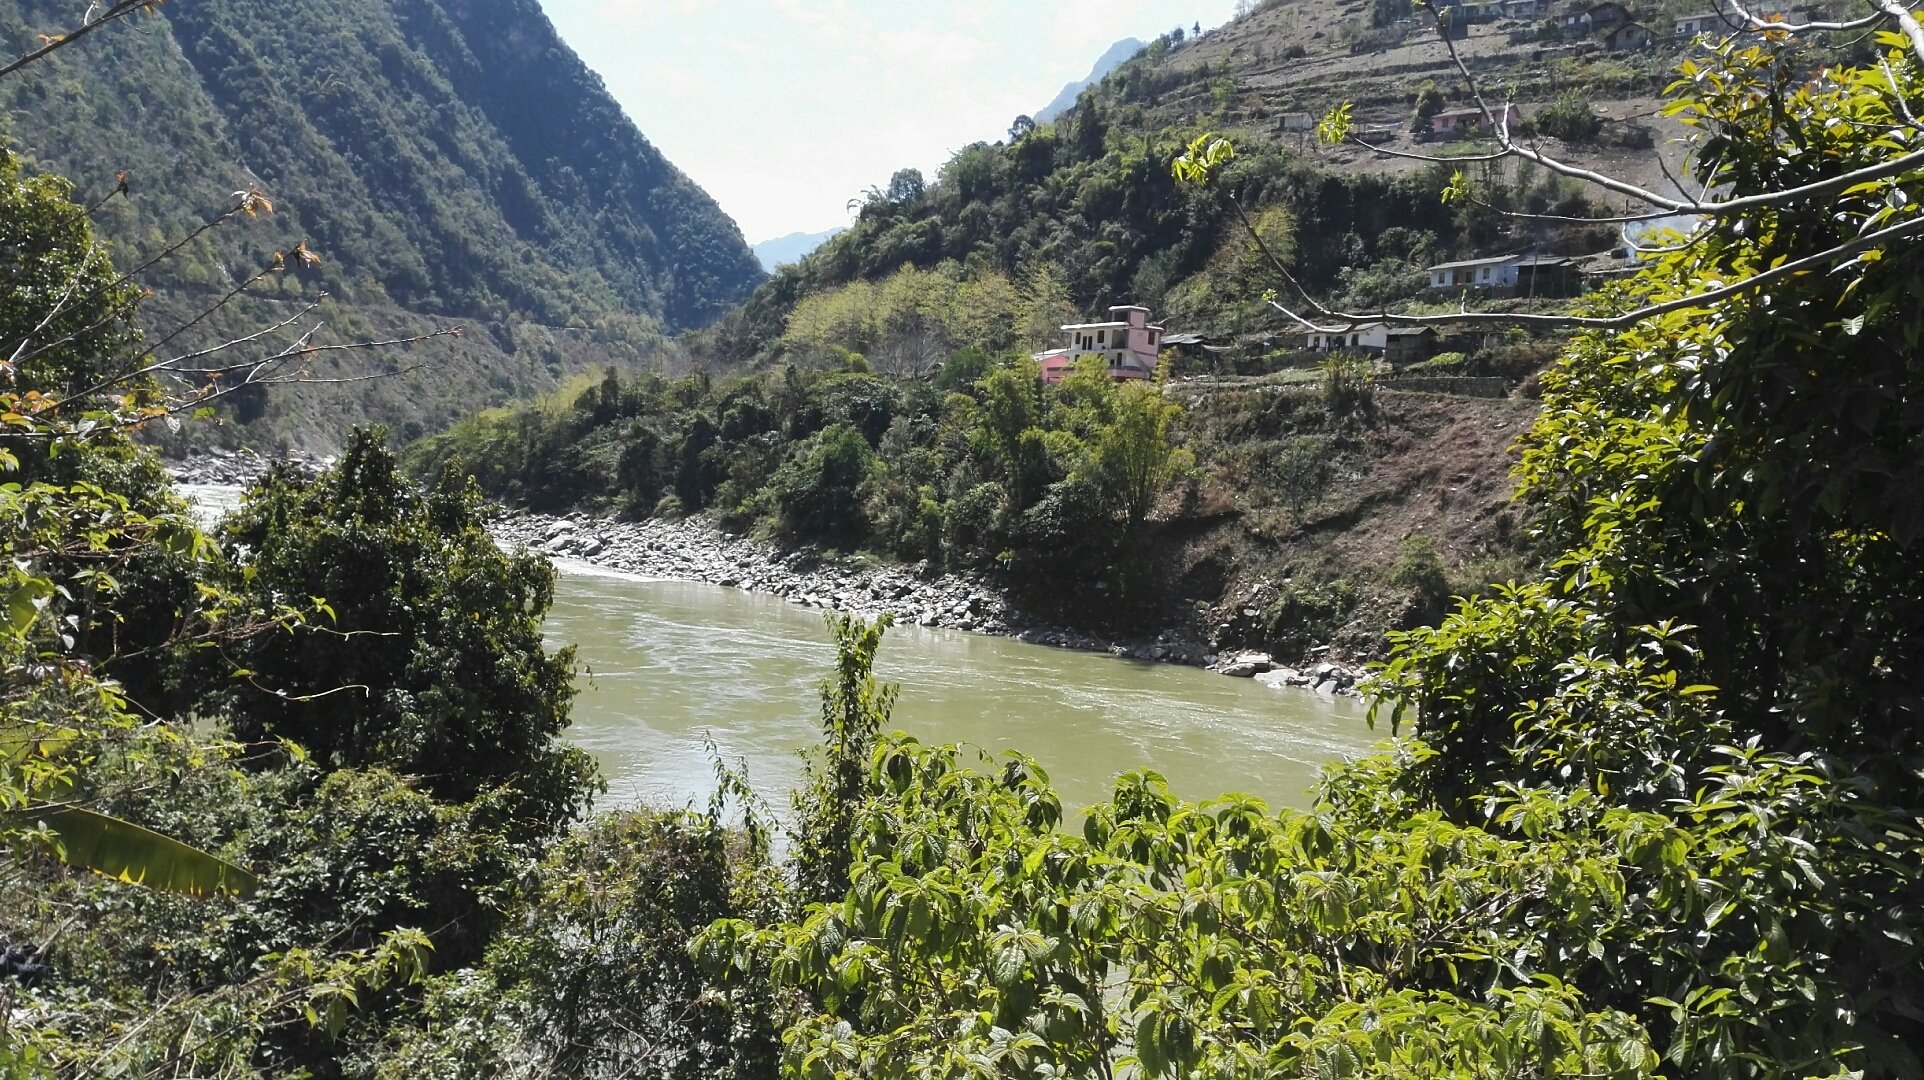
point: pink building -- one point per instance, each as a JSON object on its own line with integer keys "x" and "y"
{"x": 1129, "y": 345}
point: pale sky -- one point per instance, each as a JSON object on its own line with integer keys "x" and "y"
{"x": 784, "y": 110}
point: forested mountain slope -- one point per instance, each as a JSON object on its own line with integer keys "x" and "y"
{"x": 451, "y": 158}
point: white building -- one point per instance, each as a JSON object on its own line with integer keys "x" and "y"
{"x": 1127, "y": 343}
{"x": 1495, "y": 272}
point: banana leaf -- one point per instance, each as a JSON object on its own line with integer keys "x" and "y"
{"x": 136, "y": 854}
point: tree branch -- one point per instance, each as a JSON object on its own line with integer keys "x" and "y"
{"x": 1343, "y": 322}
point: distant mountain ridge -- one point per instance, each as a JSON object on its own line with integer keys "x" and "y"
{"x": 788, "y": 249}
{"x": 1114, "y": 58}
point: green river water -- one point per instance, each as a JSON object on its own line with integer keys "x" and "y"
{"x": 668, "y": 665}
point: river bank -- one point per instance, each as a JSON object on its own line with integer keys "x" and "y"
{"x": 694, "y": 550}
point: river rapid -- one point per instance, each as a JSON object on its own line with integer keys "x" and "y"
{"x": 669, "y": 667}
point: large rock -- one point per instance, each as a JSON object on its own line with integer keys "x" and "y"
{"x": 1246, "y": 665}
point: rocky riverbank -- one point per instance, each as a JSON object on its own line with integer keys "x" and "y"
{"x": 694, "y": 550}
{"x": 236, "y": 468}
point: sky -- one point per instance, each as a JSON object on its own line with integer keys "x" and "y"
{"x": 784, "y": 110}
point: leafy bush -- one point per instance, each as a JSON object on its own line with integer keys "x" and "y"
{"x": 1570, "y": 118}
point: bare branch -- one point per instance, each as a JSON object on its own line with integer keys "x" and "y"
{"x": 1744, "y": 204}
{"x": 212, "y": 223}
{"x": 1341, "y": 322}
{"x": 1751, "y": 22}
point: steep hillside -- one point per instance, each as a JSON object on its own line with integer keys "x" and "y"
{"x": 1090, "y": 195}
{"x": 450, "y": 158}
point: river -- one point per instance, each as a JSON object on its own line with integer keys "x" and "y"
{"x": 667, "y": 666}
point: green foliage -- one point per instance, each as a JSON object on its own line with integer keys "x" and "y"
{"x": 1570, "y": 118}
{"x": 592, "y": 975}
{"x": 431, "y": 662}
{"x": 820, "y": 491}
{"x": 56, "y": 275}
{"x": 1130, "y": 454}
{"x": 1097, "y": 206}
{"x": 1419, "y": 570}
{"x": 855, "y": 715}
{"x": 1657, "y": 814}
{"x": 1039, "y": 482}
{"x": 1348, "y": 383}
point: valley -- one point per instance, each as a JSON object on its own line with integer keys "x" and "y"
{"x": 1364, "y": 541}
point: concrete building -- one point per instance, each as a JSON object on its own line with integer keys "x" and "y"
{"x": 1462, "y": 123}
{"x": 1397, "y": 344}
{"x": 1494, "y": 272}
{"x": 1127, "y": 344}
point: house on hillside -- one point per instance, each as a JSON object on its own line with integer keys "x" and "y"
{"x": 1595, "y": 17}
{"x": 1493, "y": 272}
{"x": 1463, "y": 123}
{"x": 1127, "y": 344}
{"x": 1689, "y": 26}
{"x": 1526, "y": 9}
{"x": 1397, "y": 344}
{"x": 1630, "y": 37}
{"x": 1548, "y": 276}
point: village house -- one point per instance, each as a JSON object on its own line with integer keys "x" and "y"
{"x": 1690, "y": 26}
{"x": 1397, "y": 344}
{"x": 1548, "y": 275}
{"x": 1127, "y": 344}
{"x": 1526, "y": 9}
{"x": 1494, "y": 272}
{"x": 1630, "y": 37}
{"x": 1461, "y": 123}
{"x": 1595, "y": 17}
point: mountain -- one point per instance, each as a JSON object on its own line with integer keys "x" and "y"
{"x": 448, "y": 160}
{"x": 1109, "y": 61}
{"x": 790, "y": 248}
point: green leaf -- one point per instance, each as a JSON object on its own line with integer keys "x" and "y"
{"x": 137, "y": 854}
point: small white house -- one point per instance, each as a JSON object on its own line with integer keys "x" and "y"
{"x": 1495, "y": 272}
{"x": 1367, "y": 337}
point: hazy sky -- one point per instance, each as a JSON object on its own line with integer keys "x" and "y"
{"x": 784, "y": 110}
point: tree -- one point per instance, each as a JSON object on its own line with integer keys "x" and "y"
{"x": 906, "y": 186}
{"x": 430, "y": 662}
{"x": 1429, "y": 102}
{"x": 820, "y": 492}
{"x": 1021, "y": 128}
{"x": 1132, "y": 456}
{"x": 840, "y": 777}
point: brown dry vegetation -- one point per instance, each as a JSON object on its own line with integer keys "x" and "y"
{"x": 1266, "y": 556}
